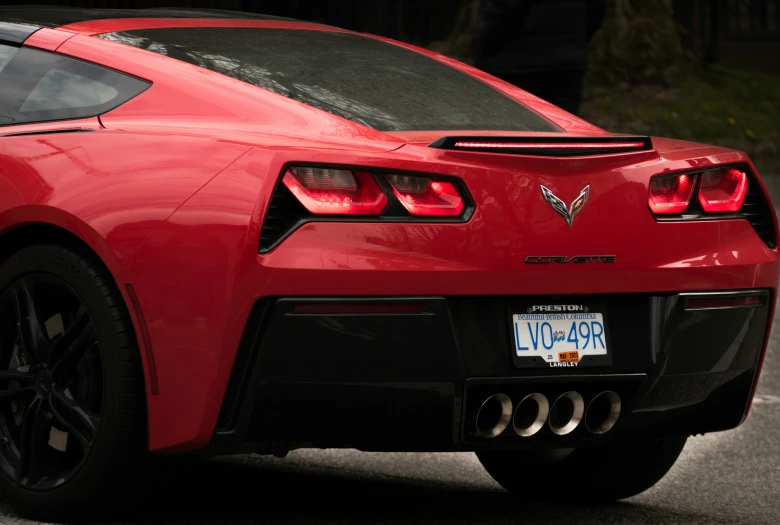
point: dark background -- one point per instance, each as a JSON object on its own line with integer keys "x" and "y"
{"x": 702, "y": 70}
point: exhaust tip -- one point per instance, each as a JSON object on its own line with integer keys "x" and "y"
{"x": 603, "y": 412}
{"x": 566, "y": 413}
{"x": 530, "y": 415}
{"x": 494, "y": 416}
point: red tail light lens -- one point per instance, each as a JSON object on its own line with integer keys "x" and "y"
{"x": 549, "y": 145}
{"x": 671, "y": 195}
{"x": 426, "y": 197}
{"x": 723, "y": 190}
{"x": 336, "y": 192}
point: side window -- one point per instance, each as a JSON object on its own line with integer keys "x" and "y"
{"x": 60, "y": 89}
{"x": 39, "y": 86}
{"x": 6, "y": 54}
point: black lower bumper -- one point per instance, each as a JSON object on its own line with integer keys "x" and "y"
{"x": 411, "y": 373}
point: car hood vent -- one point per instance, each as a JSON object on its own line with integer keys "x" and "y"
{"x": 547, "y": 146}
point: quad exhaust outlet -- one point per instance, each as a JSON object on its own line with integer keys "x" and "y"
{"x": 562, "y": 417}
{"x": 602, "y": 413}
{"x": 530, "y": 415}
{"x": 494, "y": 416}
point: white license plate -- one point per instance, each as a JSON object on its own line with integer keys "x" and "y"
{"x": 559, "y": 337}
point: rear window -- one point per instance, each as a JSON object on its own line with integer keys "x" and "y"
{"x": 379, "y": 85}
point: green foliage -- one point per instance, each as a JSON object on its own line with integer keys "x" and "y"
{"x": 738, "y": 109}
{"x": 640, "y": 42}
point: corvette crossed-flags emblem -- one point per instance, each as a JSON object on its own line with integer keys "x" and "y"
{"x": 560, "y": 206}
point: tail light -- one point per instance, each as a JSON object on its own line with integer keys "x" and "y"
{"x": 310, "y": 194}
{"x": 723, "y": 190}
{"x": 556, "y": 145}
{"x": 671, "y": 195}
{"x": 336, "y": 192}
{"x": 730, "y": 192}
{"x": 720, "y": 190}
{"x": 426, "y": 197}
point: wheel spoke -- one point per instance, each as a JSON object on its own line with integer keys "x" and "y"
{"x": 12, "y": 393}
{"x": 77, "y": 339}
{"x": 20, "y": 376}
{"x": 75, "y": 420}
{"x": 70, "y": 358}
{"x": 34, "y": 438}
{"x": 32, "y": 337}
{"x": 17, "y": 375}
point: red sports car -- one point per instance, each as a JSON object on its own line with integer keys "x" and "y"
{"x": 227, "y": 233}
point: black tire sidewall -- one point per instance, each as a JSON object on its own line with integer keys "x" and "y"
{"x": 627, "y": 464}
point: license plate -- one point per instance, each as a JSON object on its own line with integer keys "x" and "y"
{"x": 560, "y": 339}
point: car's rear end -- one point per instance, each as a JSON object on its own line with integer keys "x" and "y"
{"x": 446, "y": 264}
{"x": 390, "y": 330}
{"x": 413, "y": 298}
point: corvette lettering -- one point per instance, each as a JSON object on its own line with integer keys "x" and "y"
{"x": 576, "y": 259}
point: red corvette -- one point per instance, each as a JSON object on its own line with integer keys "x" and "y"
{"x": 224, "y": 233}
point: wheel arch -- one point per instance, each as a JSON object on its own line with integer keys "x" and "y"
{"x": 23, "y": 234}
{"x": 25, "y": 225}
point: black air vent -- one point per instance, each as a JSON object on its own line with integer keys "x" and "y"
{"x": 283, "y": 215}
{"x": 756, "y": 211}
{"x": 241, "y": 366}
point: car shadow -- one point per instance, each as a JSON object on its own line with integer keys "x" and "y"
{"x": 219, "y": 492}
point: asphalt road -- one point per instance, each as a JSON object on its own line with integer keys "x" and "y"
{"x": 725, "y": 478}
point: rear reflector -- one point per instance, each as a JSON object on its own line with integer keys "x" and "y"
{"x": 561, "y": 145}
{"x": 425, "y": 197}
{"x": 718, "y": 302}
{"x": 723, "y": 190}
{"x": 331, "y": 308}
{"x": 336, "y": 192}
{"x": 671, "y": 195}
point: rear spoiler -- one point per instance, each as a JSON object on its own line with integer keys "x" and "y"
{"x": 548, "y": 146}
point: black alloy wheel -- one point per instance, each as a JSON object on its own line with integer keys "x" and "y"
{"x": 51, "y": 382}
{"x": 73, "y": 428}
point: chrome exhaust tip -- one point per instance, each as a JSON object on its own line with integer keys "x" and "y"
{"x": 602, "y": 413}
{"x": 530, "y": 415}
{"x": 494, "y": 416}
{"x": 566, "y": 413}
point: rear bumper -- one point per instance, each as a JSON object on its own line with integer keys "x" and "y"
{"x": 413, "y": 379}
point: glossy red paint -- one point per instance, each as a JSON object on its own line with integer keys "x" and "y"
{"x": 111, "y": 190}
{"x": 171, "y": 190}
{"x": 48, "y": 39}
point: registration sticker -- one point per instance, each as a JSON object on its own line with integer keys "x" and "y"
{"x": 569, "y": 357}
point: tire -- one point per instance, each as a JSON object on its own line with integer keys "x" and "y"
{"x": 625, "y": 466}
{"x": 110, "y": 456}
